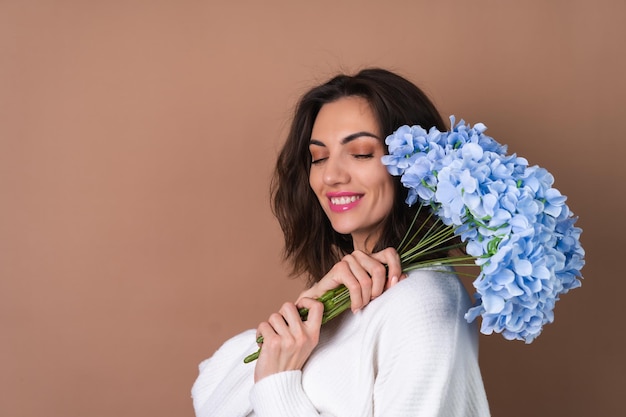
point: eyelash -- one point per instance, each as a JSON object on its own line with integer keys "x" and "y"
{"x": 356, "y": 156}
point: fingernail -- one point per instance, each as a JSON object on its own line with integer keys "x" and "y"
{"x": 394, "y": 280}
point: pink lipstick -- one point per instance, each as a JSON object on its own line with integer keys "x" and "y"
{"x": 343, "y": 201}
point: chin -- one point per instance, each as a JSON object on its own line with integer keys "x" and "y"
{"x": 343, "y": 229}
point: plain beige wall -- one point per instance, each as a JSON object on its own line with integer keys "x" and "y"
{"x": 137, "y": 141}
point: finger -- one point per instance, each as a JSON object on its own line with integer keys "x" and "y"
{"x": 264, "y": 331}
{"x": 390, "y": 257}
{"x": 316, "y": 312}
{"x": 361, "y": 286}
{"x": 278, "y": 323}
{"x": 394, "y": 280}
{"x": 291, "y": 316}
{"x": 376, "y": 270}
{"x": 391, "y": 282}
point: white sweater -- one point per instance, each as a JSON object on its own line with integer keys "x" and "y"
{"x": 410, "y": 352}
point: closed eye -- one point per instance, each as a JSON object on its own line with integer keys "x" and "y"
{"x": 318, "y": 161}
{"x": 363, "y": 156}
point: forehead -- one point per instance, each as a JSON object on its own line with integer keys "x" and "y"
{"x": 345, "y": 116}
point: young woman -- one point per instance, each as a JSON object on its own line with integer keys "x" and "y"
{"x": 405, "y": 349}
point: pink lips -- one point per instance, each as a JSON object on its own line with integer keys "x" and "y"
{"x": 343, "y": 201}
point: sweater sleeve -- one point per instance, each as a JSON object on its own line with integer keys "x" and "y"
{"x": 426, "y": 354}
{"x": 282, "y": 395}
{"x": 224, "y": 381}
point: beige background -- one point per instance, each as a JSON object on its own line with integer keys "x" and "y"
{"x": 137, "y": 141}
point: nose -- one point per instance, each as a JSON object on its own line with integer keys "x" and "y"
{"x": 335, "y": 172}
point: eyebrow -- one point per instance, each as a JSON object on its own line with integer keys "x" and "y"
{"x": 347, "y": 139}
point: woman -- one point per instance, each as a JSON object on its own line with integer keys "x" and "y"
{"x": 407, "y": 353}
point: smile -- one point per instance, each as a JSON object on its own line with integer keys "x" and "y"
{"x": 340, "y": 203}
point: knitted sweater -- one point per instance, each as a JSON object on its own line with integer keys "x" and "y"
{"x": 410, "y": 352}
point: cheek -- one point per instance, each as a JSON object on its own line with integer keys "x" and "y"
{"x": 387, "y": 193}
{"x": 390, "y": 196}
{"x": 384, "y": 182}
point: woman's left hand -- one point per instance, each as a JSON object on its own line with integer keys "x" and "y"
{"x": 287, "y": 340}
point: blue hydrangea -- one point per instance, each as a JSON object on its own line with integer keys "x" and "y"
{"x": 513, "y": 222}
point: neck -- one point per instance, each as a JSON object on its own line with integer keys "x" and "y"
{"x": 364, "y": 243}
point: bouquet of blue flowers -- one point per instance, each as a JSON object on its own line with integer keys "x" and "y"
{"x": 516, "y": 226}
{"x": 512, "y": 224}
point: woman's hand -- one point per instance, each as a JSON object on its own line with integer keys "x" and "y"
{"x": 287, "y": 340}
{"x": 365, "y": 276}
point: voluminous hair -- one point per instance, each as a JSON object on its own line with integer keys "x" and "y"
{"x": 311, "y": 244}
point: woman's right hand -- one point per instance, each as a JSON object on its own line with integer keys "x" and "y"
{"x": 287, "y": 340}
{"x": 365, "y": 276}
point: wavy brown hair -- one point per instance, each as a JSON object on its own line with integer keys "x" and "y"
{"x": 311, "y": 244}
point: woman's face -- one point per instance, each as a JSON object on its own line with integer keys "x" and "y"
{"x": 347, "y": 175}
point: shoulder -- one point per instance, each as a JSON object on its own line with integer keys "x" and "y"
{"x": 427, "y": 291}
{"x": 428, "y": 305}
{"x": 424, "y": 315}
